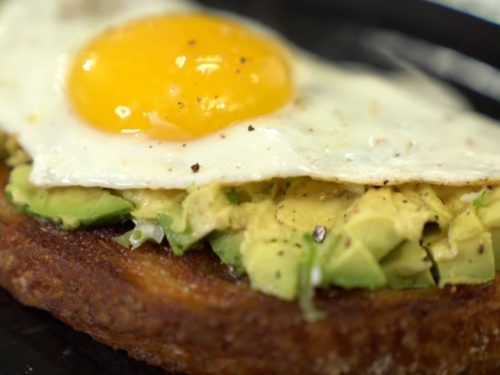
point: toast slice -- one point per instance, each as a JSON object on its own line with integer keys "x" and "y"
{"x": 190, "y": 315}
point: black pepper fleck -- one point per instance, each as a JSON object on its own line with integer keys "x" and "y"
{"x": 481, "y": 249}
{"x": 183, "y": 145}
{"x": 251, "y": 128}
{"x": 192, "y": 42}
{"x": 195, "y": 168}
{"x": 319, "y": 234}
{"x": 386, "y": 182}
{"x": 243, "y": 59}
{"x": 180, "y": 104}
{"x": 426, "y": 259}
{"x": 281, "y": 253}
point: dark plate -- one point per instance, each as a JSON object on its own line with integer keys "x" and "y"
{"x": 459, "y": 48}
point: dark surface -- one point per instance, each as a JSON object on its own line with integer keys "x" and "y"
{"x": 32, "y": 342}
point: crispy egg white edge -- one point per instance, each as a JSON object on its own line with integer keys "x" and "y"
{"x": 347, "y": 125}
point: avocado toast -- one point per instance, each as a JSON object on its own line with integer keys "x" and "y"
{"x": 215, "y": 201}
{"x": 190, "y": 314}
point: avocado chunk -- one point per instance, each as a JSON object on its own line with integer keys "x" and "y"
{"x": 11, "y": 152}
{"x": 71, "y": 207}
{"x": 465, "y": 256}
{"x": 488, "y": 211}
{"x": 371, "y": 221}
{"x": 273, "y": 267}
{"x": 148, "y": 204}
{"x": 495, "y": 239}
{"x": 308, "y": 203}
{"x": 424, "y": 199}
{"x": 350, "y": 264}
{"x": 227, "y": 246}
{"x": 202, "y": 212}
{"x": 408, "y": 266}
{"x": 179, "y": 240}
{"x": 381, "y": 219}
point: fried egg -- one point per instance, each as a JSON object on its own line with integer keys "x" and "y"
{"x": 166, "y": 94}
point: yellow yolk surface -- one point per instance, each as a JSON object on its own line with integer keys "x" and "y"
{"x": 178, "y": 77}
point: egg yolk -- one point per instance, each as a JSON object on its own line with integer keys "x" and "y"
{"x": 178, "y": 77}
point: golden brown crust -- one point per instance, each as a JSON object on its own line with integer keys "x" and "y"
{"x": 188, "y": 315}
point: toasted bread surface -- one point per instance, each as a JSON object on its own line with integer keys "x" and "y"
{"x": 189, "y": 315}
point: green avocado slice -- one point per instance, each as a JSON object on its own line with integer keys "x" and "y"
{"x": 227, "y": 246}
{"x": 465, "y": 254}
{"x": 273, "y": 267}
{"x": 408, "y": 266}
{"x": 71, "y": 207}
{"x": 179, "y": 241}
{"x": 350, "y": 264}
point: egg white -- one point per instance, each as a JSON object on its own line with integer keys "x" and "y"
{"x": 345, "y": 124}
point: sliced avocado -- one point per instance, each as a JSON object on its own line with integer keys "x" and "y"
{"x": 377, "y": 233}
{"x": 203, "y": 211}
{"x": 428, "y": 203}
{"x": 490, "y": 214}
{"x": 12, "y": 152}
{"x": 207, "y": 209}
{"x": 408, "y": 266}
{"x": 376, "y": 221}
{"x": 72, "y": 207}
{"x": 227, "y": 245}
{"x": 495, "y": 239}
{"x": 465, "y": 256}
{"x": 350, "y": 264}
{"x": 308, "y": 203}
{"x": 180, "y": 237}
{"x": 149, "y": 203}
{"x": 258, "y": 191}
{"x": 273, "y": 267}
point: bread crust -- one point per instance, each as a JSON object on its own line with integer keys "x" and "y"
{"x": 189, "y": 315}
